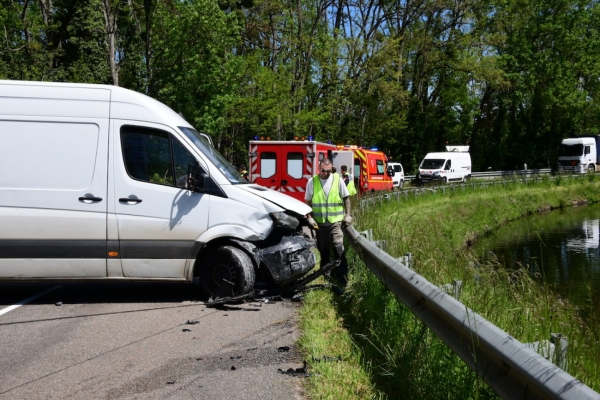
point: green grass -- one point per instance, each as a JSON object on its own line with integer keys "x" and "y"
{"x": 386, "y": 351}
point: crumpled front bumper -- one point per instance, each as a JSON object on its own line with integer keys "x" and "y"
{"x": 288, "y": 260}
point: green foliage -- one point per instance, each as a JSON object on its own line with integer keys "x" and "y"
{"x": 508, "y": 77}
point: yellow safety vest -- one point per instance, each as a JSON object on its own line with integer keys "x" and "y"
{"x": 350, "y": 185}
{"x": 327, "y": 209}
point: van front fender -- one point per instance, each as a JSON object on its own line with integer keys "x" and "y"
{"x": 232, "y": 231}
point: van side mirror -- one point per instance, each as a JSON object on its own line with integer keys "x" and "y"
{"x": 390, "y": 171}
{"x": 195, "y": 177}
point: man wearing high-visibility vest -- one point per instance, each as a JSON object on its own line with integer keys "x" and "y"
{"x": 328, "y": 196}
{"x": 348, "y": 180}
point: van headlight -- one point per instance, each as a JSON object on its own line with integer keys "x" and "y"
{"x": 282, "y": 220}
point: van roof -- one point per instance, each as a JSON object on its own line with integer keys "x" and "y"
{"x": 448, "y": 154}
{"x": 125, "y": 103}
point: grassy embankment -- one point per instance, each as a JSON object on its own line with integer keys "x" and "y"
{"x": 386, "y": 352}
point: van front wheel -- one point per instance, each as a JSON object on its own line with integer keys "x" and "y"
{"x": 229, "y": 272}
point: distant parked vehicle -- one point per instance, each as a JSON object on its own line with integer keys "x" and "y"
{"x": 452, "y": 165}
{"x": 579, "y": 155}
{"x": 398, "y": 178}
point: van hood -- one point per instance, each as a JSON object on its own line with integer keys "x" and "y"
{"x": 282, "y": 200}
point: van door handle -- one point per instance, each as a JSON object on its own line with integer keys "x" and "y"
{"x": 126, "y": 200}
{"x": 91, "y": 198}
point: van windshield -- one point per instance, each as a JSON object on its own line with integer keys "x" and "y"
{"x": 432, "y": 163}
{"x": 230, "y": 172}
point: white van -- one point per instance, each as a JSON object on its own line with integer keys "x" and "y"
{"x": 452, "y": 165}
{"x": 100, "y": 182}
{"x": 398, "y": 178}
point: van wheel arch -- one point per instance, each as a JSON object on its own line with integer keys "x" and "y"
{"x": 227, "y": 269}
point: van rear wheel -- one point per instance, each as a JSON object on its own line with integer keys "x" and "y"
{"x": 229, "y": 272}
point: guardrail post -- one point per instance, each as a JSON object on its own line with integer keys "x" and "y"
{"x": 406, "y": 259}
{"x": 453, "y": 288}
{"x": 368, "y": 234}
{"x": 553, "y": 350}
{"x": 561, "y": 343}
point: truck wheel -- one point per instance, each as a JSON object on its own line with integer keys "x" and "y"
{"x": 591, "y": 169}
{"x": 229, "y": 272}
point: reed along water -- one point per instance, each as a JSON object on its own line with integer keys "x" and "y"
{"x": 561, "y": 248}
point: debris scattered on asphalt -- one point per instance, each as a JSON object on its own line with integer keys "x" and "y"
{"x": 199, "y": 359}
{"x": 327, "y": 359}
{"x": 270, "y": 299}
{"x": 58, "y": 303}
{"x": 192, "y": 322}
{"x": 252, "y": 349}
{"x": 186, "y": 330}
{"x": 234, "y": 357}
{"x": 297, "y": 297}
{"x": 233, "y": 368}
{"x": 225, "y": 315}
{"x": 225, "y": 300}
{"x": 295, "y": 372}
{"x": 170, "y": 382}
{"x": 256, "y": 305}
{"x": 283, "y": 349}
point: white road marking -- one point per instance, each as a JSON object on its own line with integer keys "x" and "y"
{"x": 27, "y": 300}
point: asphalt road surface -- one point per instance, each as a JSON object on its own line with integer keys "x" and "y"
{"x": 142, "y": 341}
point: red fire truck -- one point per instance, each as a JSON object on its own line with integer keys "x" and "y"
{"x": 287, "y": 165}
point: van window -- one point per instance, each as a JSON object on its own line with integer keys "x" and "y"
{"x": 147, "y": 156}
{"x": 294, "y": 165}
{"x": 380, "y": 167}
{"x": 40, "y": 155}
{"x": 204, "y": 145}
{"x": 397, "y": 168}
{"x": 183, "y": 158}
{"x": 448, "y": 164}
{"x": 268, "y": 161}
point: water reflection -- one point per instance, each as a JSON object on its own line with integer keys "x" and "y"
{"x": 563, "y": 247}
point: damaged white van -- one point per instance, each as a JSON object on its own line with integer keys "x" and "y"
{"x": 100, "y": 182}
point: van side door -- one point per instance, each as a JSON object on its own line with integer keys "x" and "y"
{"x": 53, "y": 182}
{"x": 158, "y": 219}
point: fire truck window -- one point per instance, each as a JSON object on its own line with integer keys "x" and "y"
{"x": 356, "y": 168}
{"x": 294, "y": 165}
{"x": 380, "y": 167}
{"x": 268, "y": 161}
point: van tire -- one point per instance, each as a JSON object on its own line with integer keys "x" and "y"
{"x": 229, "y": 272}
{"x": 591, "y": 169}
{"x": 444, "y": 180}
{"x": 400, "y": 185}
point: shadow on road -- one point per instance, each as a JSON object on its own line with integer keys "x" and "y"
{"x": 99, "y": 292}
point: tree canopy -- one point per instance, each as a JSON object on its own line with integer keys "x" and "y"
{"x": 511, "y": 78}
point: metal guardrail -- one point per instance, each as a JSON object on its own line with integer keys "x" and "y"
{"x": 511, "y": 368}
{"x": 496, "y": 174}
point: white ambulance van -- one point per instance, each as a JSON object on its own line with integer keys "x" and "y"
{"x": 443, "y": 167}
{"x": 100, "y": 182}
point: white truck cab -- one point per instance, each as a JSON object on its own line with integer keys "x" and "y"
{"x": 452, "y": 165}
{"x": 101, "y": 182}
{"x": 579, "y": 155}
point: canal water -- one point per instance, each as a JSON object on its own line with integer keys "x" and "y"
{"x": 562, "y": 247}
